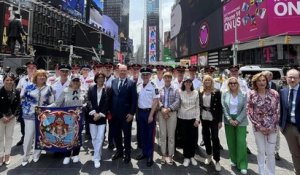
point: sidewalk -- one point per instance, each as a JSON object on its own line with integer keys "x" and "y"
{"x": 49, "y": 164}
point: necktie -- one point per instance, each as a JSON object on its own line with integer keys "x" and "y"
{"x": 121, "y": 84}
{"x": 291, "y": 97}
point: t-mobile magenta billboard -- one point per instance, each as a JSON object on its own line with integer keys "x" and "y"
{"x": 260, "y": 18}
{"x": 284, "y": 17}
{"x": 250, "y": 17}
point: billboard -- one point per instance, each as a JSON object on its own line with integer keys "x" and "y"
{"x": 183, "y": 43}
{"x": 96, "y": 9}
{"x": 167, "y": 47}
{"x": 207, "y": 33}
{"x": 9, "y": 15}
{"x": 152, "y": 44}
{"x": 112, "y": 28}
{"x": 287, "y": 14}
{"x": 249, "y": 18}
{"x": 73, "y": 7}
{"x": 188, "y": 11}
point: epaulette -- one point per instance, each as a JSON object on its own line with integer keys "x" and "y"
{"x": 153, "y": 84}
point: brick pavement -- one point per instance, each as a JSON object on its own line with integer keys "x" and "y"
{"x": 50, "y": 164}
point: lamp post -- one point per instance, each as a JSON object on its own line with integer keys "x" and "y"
{"x": 235, "y": 45}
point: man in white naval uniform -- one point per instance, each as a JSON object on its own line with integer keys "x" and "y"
{"x": 177, "y": 82}
{"x": 63, "y": 81}
{"x": 234, "y": 72}
{"x": 158, "y": 80}
{"x": 196, "y": 82}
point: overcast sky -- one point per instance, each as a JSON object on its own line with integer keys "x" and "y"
{"x": 136, "y": 17}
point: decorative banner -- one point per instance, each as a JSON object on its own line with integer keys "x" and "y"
{"x": 58, "y": 129}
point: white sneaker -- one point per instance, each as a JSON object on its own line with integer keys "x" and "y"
{"x": 97, "y": 164}
{"x": 207, "y": 160}
{"x": 233, "y": 164}
{"x": 218, "y": 166}
{"x": 186, "y": 162}
{"x": 244, "y": 171}
{"x": 75, "y": 159}
{"x": 66, "y": 160}
{"x": 24, "y": 162}
{"x": 194, "y": 162}
{"x": 36, "y": 158}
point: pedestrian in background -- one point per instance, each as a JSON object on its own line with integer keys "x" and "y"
{"x": 263, "y": 112}
{"x": 235, "y": 119}
{"x": 10, "y": 108}
{"x": 211, "y": 119}
{"x": 290, "y": 115}
{"x": 36, "y": 94}
{"x": 188, "y": 116}
{"x": 169, "y": 103}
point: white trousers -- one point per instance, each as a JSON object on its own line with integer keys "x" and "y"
{"x": 265, "y": 152}
{"x": 97, "y": 134}
{"x": 6, "y": 137}
{"x": 28, "y": 140}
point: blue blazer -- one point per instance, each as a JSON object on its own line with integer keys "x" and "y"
{"x": 123, "y": 101}
{"x": 102, "y": 107}
{"x": 284, "y": 109}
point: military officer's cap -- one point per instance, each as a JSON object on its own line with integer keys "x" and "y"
{"x": 192, "y": 68}
{"x": 160, "y": 67}
{"x": 136, "y": 66}
{"x": 64, "y": 67}
{"x": 234, "y": 67}
{"x": 146, "y": 70}
{"x": 209, "y": 69}
{"x": 85, "y": 66}
{"x": 180, "y": 68}
{"x": 31, "y": 63}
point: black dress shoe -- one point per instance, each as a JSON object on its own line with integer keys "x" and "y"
{"x": 277, "y": 157}
{"x": 20, "y": 143}
{"x": 149, "y": 162}
{"x": 126, "y": 159}
{"x": 140, "y": 157}
{"x": 117, "y": 155}
{"x": 221, "y": 147}
{"x": 111, "y": 146}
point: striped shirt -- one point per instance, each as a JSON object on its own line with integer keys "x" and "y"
{"x": 189, "y": 107}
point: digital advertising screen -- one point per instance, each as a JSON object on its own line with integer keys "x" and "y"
{"x": 8, "y": 16}
{"x": 72, "y": 7}
{"x": 152, "y": 44}
{"x": 96, "y": 9}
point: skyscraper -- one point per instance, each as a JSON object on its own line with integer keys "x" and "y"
{"x": 118, "y": 10}
{"x": 153, "y": 30}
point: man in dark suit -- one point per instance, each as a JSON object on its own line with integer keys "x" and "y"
{"x": 290, "y": 115}
{"x": 15, "y": 29}
{"x": 123, "y": 108}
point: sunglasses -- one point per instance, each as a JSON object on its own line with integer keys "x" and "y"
{"x": 233, "y": 83}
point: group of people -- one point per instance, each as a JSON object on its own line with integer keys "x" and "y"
{"x": 175, "y": 99}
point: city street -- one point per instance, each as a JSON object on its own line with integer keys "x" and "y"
{"x": 50, "y": 164}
